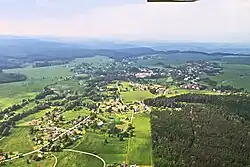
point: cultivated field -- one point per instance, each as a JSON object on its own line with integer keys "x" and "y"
{"x": 236, "y": 75}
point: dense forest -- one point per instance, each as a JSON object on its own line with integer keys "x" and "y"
{"x": 201, "y": 130}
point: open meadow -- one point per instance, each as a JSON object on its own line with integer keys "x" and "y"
{"x": 137, "y": 95}
{"x": 140, "y": 146}
{"x": 37, "y": 78}
{"x": 237, "y": 75}
{"x": 18, "y": 141}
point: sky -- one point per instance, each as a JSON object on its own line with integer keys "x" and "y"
{"x": 202, "y": 21}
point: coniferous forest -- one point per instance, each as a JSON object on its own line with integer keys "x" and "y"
{"x": 201, "y": 130}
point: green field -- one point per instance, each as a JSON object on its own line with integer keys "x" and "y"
{"x": 69, "y": 115}
{"x": 70, "y": 159}
{"x": 22, "y": 162}
{"x": 11, "y": 93}
{"x": 236, "y": 75}
{"x": 140, "y": 146}
{"x": 19, "y": 140}
{"x": 136, "y": 95}
{"x": 112, "y": 152}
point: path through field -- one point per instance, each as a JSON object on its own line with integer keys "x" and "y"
{"x": 87, "y": 153}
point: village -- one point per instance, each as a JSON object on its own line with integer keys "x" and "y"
{"x": 111, "y": 96}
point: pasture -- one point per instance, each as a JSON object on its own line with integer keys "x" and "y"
{"x": 22, "y": 162}
{"x": 69, "y": 115}
{"x": 237, "y": 75}
{"x": 112, "y": 152}
{"x": 70, "y": 159}
{"x": 19, "y": 140}
{"x": 140, "y": 146}
{"x": 138, "y": 95}
{"x": 37, "y": 79}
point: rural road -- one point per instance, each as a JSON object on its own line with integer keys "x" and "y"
{"x": 86, "y": 153}
{"x": 56, "y": 138}
{"x": 55, "y": 160}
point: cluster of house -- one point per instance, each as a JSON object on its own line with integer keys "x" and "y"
{"x": 157, "y": 89}
{"x": 191, "y": 86}
{"x": 144, "y": 73}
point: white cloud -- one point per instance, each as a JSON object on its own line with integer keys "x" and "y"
{"x": 206, "y": 20}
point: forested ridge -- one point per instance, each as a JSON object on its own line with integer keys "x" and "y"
{"x": 201, "y": 130}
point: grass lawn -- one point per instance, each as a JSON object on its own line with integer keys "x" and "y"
{"x": 140, "y": 146}
{"x": 138, "y": 95}
{"x": 7, "y": 100}
{"x": 19, "y": 140}
{"x": 69, "y": 115}
{"x": 114, "y": 151}
{"x": 22, "y": 162}
{"x": 236, "y": 75}
{"x": 70, "y": 159}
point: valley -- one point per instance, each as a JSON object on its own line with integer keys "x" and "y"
{"x": 145, "y": 110}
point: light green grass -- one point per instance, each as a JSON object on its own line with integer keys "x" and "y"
{"x": 22, "y": 162}
{"x": 47, "y": 72}
{"x": 140, "y": 146}
{"x": 138, "y": 95}
{"x": 232, "y": 76}
{"x": 69, "y": 115}
{"x": 6, "y": 100}
{"x": 70, "y": 159}
{"x": 19, "y": 140}
{"x": 114, "y": 151}
{"x": 37, "y": 79}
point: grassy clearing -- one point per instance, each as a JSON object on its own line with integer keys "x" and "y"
{"x": 70, "y": 159}
{"x": 140, "y": 146}
{"x": 114, "y": 151}
{"x": 69, "y": 115}
{"x": 48, "y": 162}
{"x": 136, "y": 95}
{"x": 19, "y": 140}
{"x": 6, "y": 101}
{"x": 236, "y": 75}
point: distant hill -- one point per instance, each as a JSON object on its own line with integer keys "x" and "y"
{"x": 16, "y": 51}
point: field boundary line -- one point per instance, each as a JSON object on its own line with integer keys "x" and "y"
{"x": 87, "y": 153}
